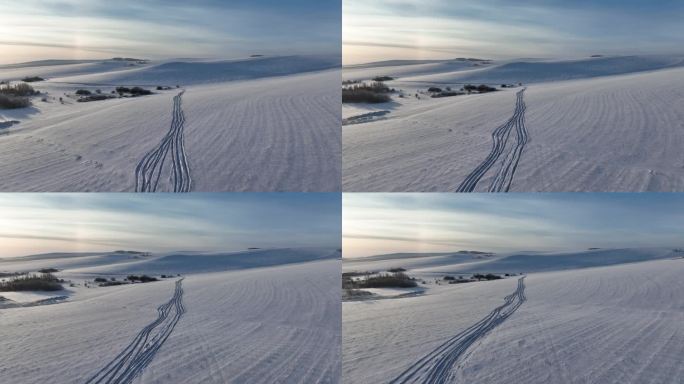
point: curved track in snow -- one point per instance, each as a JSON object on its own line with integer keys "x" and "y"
{"x": 149, "y": 170}
{"x": 438, "y": 365}
{"x": 139, "y": 353}
{"x": 508, "y": 165}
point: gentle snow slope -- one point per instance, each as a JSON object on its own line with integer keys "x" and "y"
{"x": 621, "y": 324}
{"x": 617, "y": 324}
{"x": 259, "y": 325}
{"x": 615, "y": 133}
{"x": 273, "y": 134}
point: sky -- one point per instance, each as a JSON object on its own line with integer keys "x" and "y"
{"x": 43, "y": 223}
{"x": 158, "y": 29}
{"x": 375, "y": 224}
{"x": 503, "y": 29}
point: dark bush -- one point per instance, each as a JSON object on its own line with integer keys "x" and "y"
{"x": 95, "y": 97}
{"x": 142, "y": 278}
{"x": 48, "y": 270}
{"x": 479, "y": 88}
{"x": 13, "y": 102}
{"x": 383, "y": 78}
{"x": 20, "y": 89}
{"x": 396, "y": 270}
{"x": 393, "y": 280}
{"x": 361, "y": 96}
{"x": 375, "y": 92}
{"x": 83, "y": 92}
{"x": 434, "y": 89}
{"x": 488, "y": 276}
{"x": 449, "y": 278}
{"x": 137, "y": 91}
{"x": 100, "y": 280}
{"x": 32, "y": 79}
{"x": 146, "y": 279}
{"x": 446, "y": 94}
{"x": 41, "y": 282}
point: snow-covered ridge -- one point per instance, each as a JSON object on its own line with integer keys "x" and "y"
{"x": 166, "y": 263}
{"x": 202, "y": 72}
{"x": 519, "y": 262}
{"x": 513, "y": 71}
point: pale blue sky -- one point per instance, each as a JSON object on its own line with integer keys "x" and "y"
{"x": 424, "y": 222}
{"x": 156, "y": 29}
{"x": 422, "y": 29}
{"x": 41, "y": 223}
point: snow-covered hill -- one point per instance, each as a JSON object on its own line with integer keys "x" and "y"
{"x": 277, "y": 318}
{"x": 515, "y": 262}
{"x": 610, "y": 324}
{"x": 201, "y": 72}
{"x": 608, "y": 133}
{"x": 273, "y": 127}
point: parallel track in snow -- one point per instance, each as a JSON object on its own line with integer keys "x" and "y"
{"x": 149, "y": 170}
{"x": 130, "y": 363}
{"x": 500, "y": 139}
{"x": 437, "y": 367}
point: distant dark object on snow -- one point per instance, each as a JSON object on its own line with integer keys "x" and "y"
{"x": 16, "y": 96}
{"x": 41, "y": 282}
{"x": 142, "y": 278}
{"x": 383, "y": 78}
{"x": 482, "y": 88}
{"x": 596, "y": 55}
{"x": 375, "y": 92}
{"x": 129, "y": 59}
{"x": 133, "y": 92}
{"x": 256, "y": 55}
{"x": 488, "y": 276}
{"x": 447, "y": 94}
{"x": 32, "y": 79}
{"x": 96, "y": 97}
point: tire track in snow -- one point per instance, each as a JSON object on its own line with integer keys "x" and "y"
{"x": 150, "y": 169}
{"x": 504, "y": 176}
{"x": 438, "y": 365}
{"x": 130, "y": 362}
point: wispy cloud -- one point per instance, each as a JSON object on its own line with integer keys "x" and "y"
{"x": 36, "y": 223}
{"x": 387, "y": 223}
{"x": 391, "y": 29}
{"x": 162, "y": 29}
